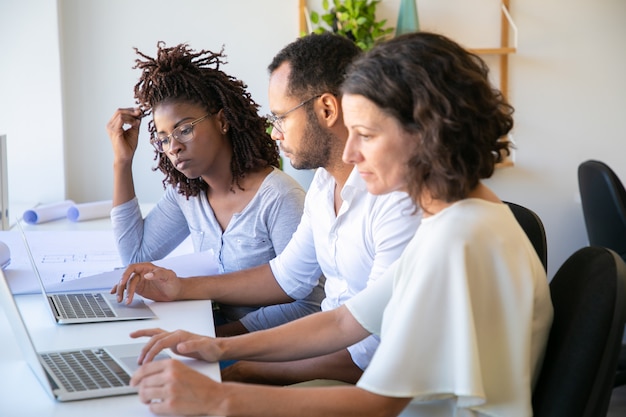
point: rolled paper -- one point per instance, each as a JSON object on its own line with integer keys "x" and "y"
{"x": 47, "y": 212}
{"x": 88, "y": 211}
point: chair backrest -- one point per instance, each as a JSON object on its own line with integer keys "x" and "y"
{"x": 533, "y": 226}
{"x": 604, "y": 206}
{"x": 588, "y": 294}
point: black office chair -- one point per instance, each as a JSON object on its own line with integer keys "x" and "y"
{"x": 532, "y": 225}
{"x": 589, "y": 297}
{"x": 603, "y": 200}
{"x": 604, "y": 206}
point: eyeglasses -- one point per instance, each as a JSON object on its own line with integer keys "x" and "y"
{"x": 182, "y": 134}
{"x": 277, "y": 120}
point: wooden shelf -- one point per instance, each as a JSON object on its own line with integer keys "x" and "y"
{"x": 493, "y": 51}
{"x": 302, "y": 18}
{"x": 505, "y": 163}
{"x": 504, "y": 50}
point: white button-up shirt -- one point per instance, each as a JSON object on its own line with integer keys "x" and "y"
{"x": 351, "y": 249}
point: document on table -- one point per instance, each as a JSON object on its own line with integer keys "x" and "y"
{"x": 85, "y": 260}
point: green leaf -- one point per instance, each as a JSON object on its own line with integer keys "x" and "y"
{"x": 328, "y": 18}
{"x": 315, "y": 17}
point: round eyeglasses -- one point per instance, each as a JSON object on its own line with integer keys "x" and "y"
{"x": 182, "y": 134}
{"x": 276, "y": 120}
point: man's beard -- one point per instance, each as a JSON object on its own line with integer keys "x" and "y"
{"x": 315, "y": 146}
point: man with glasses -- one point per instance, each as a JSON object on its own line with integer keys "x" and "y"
{"x": 346, "y": 234}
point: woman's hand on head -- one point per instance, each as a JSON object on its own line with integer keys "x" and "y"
{"x": 123, "y": 130}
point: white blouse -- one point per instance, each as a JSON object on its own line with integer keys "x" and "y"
{"x": 463, "y": 316}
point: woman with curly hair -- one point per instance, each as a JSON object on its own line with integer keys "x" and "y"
{"x": 222, "y": 182}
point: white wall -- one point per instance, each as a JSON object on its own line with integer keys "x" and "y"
{"x": 30, "y": 100}
{"x": 566, "y": 83}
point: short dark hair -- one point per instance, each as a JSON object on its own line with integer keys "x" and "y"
{"x": 179, "y": 74}
{"x": 441, "y": 93}
{"x": 318, "y": 63}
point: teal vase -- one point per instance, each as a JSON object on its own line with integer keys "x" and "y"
{"x": 407, "y": 18}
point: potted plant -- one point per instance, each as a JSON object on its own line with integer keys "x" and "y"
{"x": 354, "y": 19}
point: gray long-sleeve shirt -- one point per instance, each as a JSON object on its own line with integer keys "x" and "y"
{"x": 253, "y": 237}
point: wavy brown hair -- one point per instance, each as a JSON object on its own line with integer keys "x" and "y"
{"x": 440, "y": 93}
{"x": 180, "y": 74}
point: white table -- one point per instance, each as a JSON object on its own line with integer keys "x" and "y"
{"x": 20, "y": 391}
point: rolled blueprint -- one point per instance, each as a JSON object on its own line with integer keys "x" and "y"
{"x": 88, "y": 211}
{"x": 47, "y": 212}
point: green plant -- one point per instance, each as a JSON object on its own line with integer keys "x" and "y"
{"x": 354, "y": 19}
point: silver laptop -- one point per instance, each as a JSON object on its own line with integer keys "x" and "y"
{"x": 86, "y": 306}
{"x": 75, "y": 374}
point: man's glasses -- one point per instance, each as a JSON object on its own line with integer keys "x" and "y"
{"x": 182, "y": 134}
{"x": 277, "y": 120}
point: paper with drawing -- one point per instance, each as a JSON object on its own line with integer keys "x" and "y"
{"x": 85, "y": 260}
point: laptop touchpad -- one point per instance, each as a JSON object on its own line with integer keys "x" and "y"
{"x": 130, "y": 362}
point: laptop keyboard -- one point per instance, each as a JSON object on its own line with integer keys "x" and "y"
{"x": 85, "y": 305}
{"x": 88, "y": 369}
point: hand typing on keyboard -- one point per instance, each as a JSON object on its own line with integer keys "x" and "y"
{"x": 180, "y": 342}
{"x": 149, "y": 281}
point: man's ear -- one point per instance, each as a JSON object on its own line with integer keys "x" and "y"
{"x": 330, "y": 109}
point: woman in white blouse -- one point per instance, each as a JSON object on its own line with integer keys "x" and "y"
{"x": 463, "y": 315}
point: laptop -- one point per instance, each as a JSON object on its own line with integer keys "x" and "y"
{"x": 87, "y": 306}
{"x": 75, "y": 374}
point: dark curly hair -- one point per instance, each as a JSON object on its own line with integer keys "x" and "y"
{"x": 318, "y": 63}
{"x": 441, "y": 93}
{"x": 179, "y": 74}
